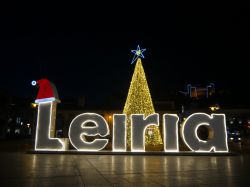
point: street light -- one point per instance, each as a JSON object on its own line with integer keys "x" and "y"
{"x": 33, "y": 105}
{"x": 214, "y": 108}
{"x": 109, "y": 119}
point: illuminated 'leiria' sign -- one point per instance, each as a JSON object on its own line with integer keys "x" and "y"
{"x": 93, "y": 125}
{"x": 89, "y": 131}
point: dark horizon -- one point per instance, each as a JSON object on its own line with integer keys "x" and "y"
{"x": 97, "y": 64}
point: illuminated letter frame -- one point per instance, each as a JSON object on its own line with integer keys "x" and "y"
{"x": 89, "y": 134}
{"x": 206, "y": 124}
{"x": 51, "y": 103}
{"x": 144, "y": 119}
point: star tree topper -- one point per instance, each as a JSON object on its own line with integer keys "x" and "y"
{"x": 137, "y": 53}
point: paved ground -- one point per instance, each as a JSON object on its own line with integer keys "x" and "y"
{"x": 21, "y": 169}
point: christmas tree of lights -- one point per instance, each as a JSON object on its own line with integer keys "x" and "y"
{"x": 139, "y": 102}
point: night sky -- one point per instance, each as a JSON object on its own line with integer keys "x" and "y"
{"x": 91, "y": 57}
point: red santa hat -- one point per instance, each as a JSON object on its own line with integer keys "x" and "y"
{"x": 47, "y": 91}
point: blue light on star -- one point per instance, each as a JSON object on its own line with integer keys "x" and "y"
{"x": 138, "y": 53}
